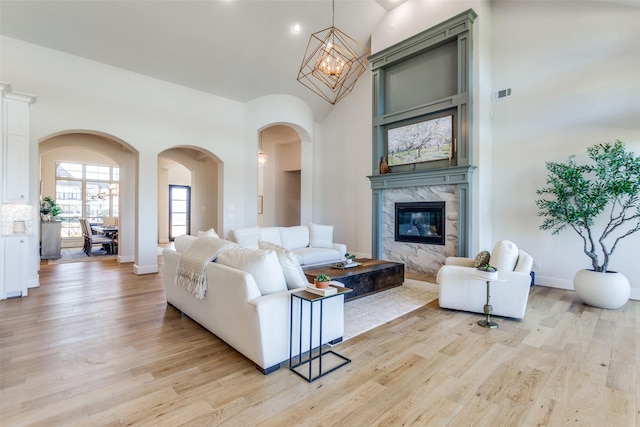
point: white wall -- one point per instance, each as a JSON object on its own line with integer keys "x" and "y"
{"x": 150, "y": 116}
{"x": 572, "y": 67}
{"x": 574, "y": 76}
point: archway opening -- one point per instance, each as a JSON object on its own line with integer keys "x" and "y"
{"x": 199, "y": 171}
{"x": 280, "y": 178}
{"x": 90, "y": 175}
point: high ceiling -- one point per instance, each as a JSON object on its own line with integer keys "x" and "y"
{"x": 237, "y": 49}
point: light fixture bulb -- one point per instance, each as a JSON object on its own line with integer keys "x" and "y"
{"x": 262, "y": 158}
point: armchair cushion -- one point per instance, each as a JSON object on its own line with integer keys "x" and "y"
{"x": 504, "y": 256}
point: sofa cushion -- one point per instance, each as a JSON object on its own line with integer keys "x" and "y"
{"x": 293, "y": 273}
{"x": 209, "y": 233}
{"x": 504, "y": 256}
{"x": 320, "y": 236}
{"x": 271, "y": 235}
{"x": 308, "y": 256}
{"x": 481, "y": 259}
{"x": 262, "y": 265}
{"x": 181, "y": 243}
{"x": 294, "y": 237}
{"x": 247, "y": 237}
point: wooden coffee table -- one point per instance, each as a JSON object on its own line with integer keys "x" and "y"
{"x": 372, "y": 276}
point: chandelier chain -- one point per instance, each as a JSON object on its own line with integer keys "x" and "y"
{"x": 333, "y": 14}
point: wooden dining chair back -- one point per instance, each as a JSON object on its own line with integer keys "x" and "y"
{"x": 91, "y": 239}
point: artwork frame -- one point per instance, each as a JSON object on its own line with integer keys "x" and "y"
{"x": 424, "y": 140}
{"x": 260, "y": 205}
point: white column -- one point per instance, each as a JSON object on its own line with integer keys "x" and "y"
{"x": 147, "y": 215}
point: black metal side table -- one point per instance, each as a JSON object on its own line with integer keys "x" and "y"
{"x": 297, "y": 363}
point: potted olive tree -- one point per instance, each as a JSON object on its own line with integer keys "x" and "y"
{"x": 600, "y": 201}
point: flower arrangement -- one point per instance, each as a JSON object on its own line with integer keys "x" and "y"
{"x": 49, "y": 207}
{"x": 349, "y": 256}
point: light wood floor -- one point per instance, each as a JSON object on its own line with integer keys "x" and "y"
{"x": 97, "y": 345}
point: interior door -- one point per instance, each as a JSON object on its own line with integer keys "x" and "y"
{"x": 179, "y": 210}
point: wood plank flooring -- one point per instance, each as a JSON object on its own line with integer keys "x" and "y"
{"x": 96, "y": 345}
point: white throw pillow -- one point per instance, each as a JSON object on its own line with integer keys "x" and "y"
{"x": 262, "y": 265}
{"x": 181, "y": 243}
{"x": 504, "y": 256}
{"x": 209, "y": 233}
{"x": 320, "y": 236}
{"x": 293, "y": 273}
{"x": 247, "y": 237}
{"x": 295, "y": 237}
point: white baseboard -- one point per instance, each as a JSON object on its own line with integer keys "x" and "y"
{"x": 126, "y": 258}
{"x": 552, "y": 282}
{"x": 145, "y": 269}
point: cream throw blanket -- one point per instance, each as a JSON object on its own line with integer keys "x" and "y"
{"x": 192, "y": 264}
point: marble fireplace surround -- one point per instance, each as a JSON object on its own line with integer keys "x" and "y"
{"x": 451, "y": 185}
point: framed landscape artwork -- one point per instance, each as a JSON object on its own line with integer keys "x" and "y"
{"x": 424, "y": 141}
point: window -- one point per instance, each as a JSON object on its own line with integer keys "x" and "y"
{"x": 179, "y": 210}
{"x": 84, "y": 190}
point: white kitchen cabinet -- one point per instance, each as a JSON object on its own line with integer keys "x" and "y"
{"x": 15, "y": 145}
{"x": 14, "y": 253}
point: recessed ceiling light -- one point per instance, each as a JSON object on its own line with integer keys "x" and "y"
{"x": 295, "y": 28}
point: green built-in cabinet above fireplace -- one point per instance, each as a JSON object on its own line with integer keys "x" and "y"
{"x": 422, "y": 86}
{"x": 425, "y": 77}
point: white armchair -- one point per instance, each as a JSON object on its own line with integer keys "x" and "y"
{"x": 460, "y": 289}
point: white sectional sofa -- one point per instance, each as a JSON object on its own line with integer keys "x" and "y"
{"x": 247, "y": 303}
{"x": 312, "y": 245}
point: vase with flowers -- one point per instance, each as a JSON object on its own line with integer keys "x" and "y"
{"x": 49, "y": 209}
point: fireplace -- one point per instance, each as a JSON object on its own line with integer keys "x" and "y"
{"x": 420, "y": 222}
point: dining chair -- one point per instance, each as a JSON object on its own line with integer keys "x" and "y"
{"x": 91, "y": 239}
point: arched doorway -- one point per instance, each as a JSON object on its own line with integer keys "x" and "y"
{"x": 202, "y": 173}
{"x": 90, "y": 174}
{"x": 280, "y": 177}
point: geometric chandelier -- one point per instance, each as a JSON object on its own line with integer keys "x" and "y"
{"x": 332, "y": 63}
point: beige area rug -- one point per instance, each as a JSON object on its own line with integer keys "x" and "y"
{"x": 368, "y": 312}
{"x": 77, "y": 255}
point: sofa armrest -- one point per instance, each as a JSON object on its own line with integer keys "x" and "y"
{"x": 454, "y": 260}
{"x": 340, "y": 247}
{"x": 273, "y": 320}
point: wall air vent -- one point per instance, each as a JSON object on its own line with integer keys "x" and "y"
{"x": 500, "y": 94}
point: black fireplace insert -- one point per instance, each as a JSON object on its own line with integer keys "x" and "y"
{"x": 420, "y": 222}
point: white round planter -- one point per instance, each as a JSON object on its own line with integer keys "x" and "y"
{"x": 609, "y": 290}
